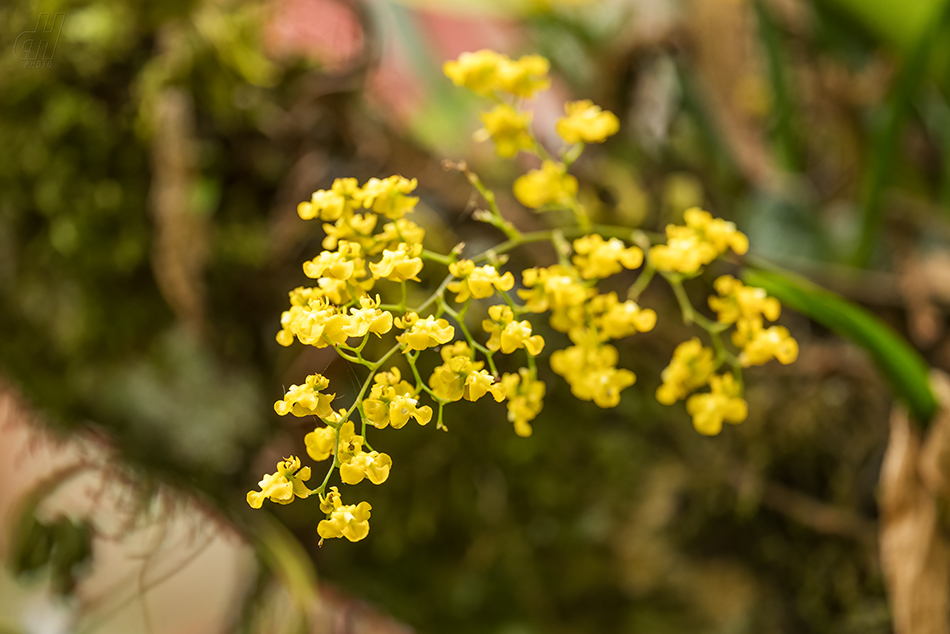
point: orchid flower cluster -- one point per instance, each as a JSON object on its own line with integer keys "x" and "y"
{"x": 370, "y": 238}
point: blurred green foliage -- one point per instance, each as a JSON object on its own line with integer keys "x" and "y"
{"x": 620, "y": 521}
{"x": 95, "y": 339}
{"x": 898, "y": 362}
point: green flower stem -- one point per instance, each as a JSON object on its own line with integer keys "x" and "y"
{"x": 358, "y": 350}
{"x": 359, "y": 408}
{"x": 580, "y": 213}
{"x": 357, "y": 404}
{"x": 458, "y": 319}
{"x": 469, "y": 338}
{"x": 321, "y": 490}
{"x": 421, "y": 307}
{"x": 645, "y": 239}
{"x": 435, "y": 295}
{"x": 373, "y": 367}
{"x": 499, "y": 223}
{"x": 517, "y": 309}
{"x": 464, "y": 309}
{"x": 354, "y": 294}
{"x": 379, "y": 362}
{"x": 608, "y": 231}
{"x": 737, "y": 373}
{"x": 722, "y": 355}
{"x": 509, "y": 245}
{"x": 333, "y": 464}
{"x": 562, "y": 247}
{"x": 536, "y": 148}
{"x": 572, "y": 153}
{"x": 438, "y": 423}
{"x": 491, "y": 360}
{"x": 411, "y": 360}
{"x": 643, "y": 280}
{"x": 495, "y": 218}
{"x": 435, "y": 257}
{"x": 402, "y": 303}
{"x": 692, "y": 316}
{"x": 420, "y": 384}
{"x": 539, "y": 150}
{"x": 346, "y": 356}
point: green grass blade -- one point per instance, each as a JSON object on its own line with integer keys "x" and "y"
{"x": 903, "y": 367}
{"x": 885, "y": 146}
{"x": 900, "y": 24}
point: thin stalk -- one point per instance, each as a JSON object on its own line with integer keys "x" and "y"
{"x": 435, "y": 257}
{"x": 643, "y": 280}
{"x": 608, "y": 231}
{"x": 571, "y": 154}
{"x": 495, "y": 218}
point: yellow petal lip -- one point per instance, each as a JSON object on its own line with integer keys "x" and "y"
{"x": 486, "y": 72}
{"x": 550, "y": 186}
{"x": 587, "y": 123}
{"x": 283, "y": 486}
{"x": 349, "y": 521}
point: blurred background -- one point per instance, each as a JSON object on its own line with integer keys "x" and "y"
{"x": 152, "y": 155}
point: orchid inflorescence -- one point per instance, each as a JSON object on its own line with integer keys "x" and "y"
{"x": 369, "y": 238}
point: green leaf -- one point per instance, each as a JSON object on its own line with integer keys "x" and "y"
{"x": 898, "y": 23}
{"x": 282, "y": 553}
{"x": 903, "y": 367}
